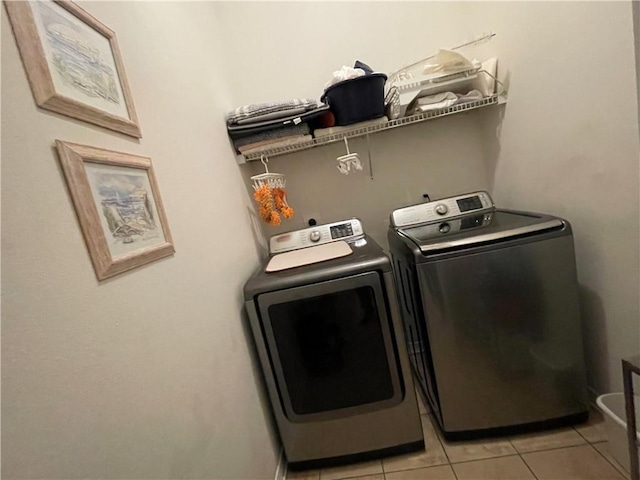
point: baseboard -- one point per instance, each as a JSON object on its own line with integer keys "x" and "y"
{"x": 281, "y": 471}
{"x": 593, "y": 395}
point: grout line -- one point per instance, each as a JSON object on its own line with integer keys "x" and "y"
{"x": 485, "y": 458}
{"x": 429, "y": 417}
{"x": 409, "y": 469}
{"x": 435, "y": 429}
{"x": 576, "y": 430}
{"x": 595, "y": 441}
{"x": 455, "y": 475}
{"x": 527, "y": 465}
{"x": 548, "y": 449}
{"x": 614, "y": 465}
{"x": 589, "y": 441}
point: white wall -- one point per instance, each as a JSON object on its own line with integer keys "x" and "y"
{"x": 149, "y": 374}
{"x": 567, "y": 145}
{"x": 282, "y": 50}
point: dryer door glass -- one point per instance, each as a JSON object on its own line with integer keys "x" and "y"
{"x": 331, "y": 346}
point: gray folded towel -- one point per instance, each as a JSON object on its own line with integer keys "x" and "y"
{"x": 302, "y": 129}
{"x": 260, "y": 109}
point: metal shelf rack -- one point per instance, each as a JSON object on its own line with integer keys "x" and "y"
{"x": 497, "y": 99}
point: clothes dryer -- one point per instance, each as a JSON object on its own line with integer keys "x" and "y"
{"x": 329, "y": 337}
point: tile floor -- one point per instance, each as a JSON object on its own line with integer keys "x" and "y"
{"x": 579, "y": 453}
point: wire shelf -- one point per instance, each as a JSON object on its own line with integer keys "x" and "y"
{"x": 380, "y": 127}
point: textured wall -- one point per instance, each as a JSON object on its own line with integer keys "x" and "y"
{"x": 569, "y": 146}
{"x": 149, "y": 374}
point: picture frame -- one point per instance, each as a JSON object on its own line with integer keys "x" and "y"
{"x": 73, "y": 63}
{"x": 118, "y": 204}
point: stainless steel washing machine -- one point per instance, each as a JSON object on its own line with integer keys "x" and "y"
{"x": 489, "y": 299}
{"x": 329, "y": 336}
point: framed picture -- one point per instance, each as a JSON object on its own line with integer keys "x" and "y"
{"x": 118, "y": 204}
{"x": 73, "y": 63}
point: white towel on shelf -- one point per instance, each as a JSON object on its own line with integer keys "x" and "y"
{"x": 472, "y": 96}
{"x": 434, "y": 102}
{"x": 443, "y": 100}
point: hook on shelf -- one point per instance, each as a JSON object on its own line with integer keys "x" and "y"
{"x": 272, "y": 180}
{"x": 346, "y": 162}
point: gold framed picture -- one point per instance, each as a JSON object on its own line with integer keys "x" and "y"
{"x": 117, "y": 201}
{"x": 73, "y": 63}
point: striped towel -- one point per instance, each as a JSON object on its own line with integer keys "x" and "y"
{"x": 259, "y": 109}
{"x": 302, "y": 129}
{"x": 279, "y": 143}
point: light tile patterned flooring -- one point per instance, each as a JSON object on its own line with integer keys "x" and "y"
{"x": 579, "y": 453}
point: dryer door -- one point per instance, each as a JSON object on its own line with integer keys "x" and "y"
{"x": 331, "y": 348}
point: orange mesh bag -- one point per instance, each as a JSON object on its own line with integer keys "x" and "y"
{"x": 280, "y": 198}
{"x": 264, "y": 197}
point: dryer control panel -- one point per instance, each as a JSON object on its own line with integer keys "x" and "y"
{"x": 441, "y": 209}
{"x": 347, "y": 230}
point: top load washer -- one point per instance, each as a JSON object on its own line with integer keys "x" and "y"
{"x": 329, "y": 336}
{"x": 489, "y": 299}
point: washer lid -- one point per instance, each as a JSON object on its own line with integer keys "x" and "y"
{"x": 480, "y": 228}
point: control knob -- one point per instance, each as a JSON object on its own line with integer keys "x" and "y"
{"x": 441, "y": 209}
{"x": 445, "y": 228}
{"x": 314, "y": 236}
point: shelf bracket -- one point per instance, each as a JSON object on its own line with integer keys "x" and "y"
{"x": 370, "y": 162}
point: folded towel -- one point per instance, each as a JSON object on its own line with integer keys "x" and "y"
{"x": 324, "y": 132}
{"x": 433, "y": 102}
{"x": 264, "y": 144}
{"x": 258, "y": 109}
{"x": 265, "y": 117}
{"x": 298, "y": 139}
{"x": 472, "y": 96}
{"x": 442, "y": 100}
{"x": 302, "y": 129}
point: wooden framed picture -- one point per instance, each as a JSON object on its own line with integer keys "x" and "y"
{"x": 73, "y": 63}
{"x": 118, "y": 204}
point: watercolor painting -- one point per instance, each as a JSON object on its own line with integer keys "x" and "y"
{"x": 77, "y": 57}
{"x": 73, "y": 63}
{"x": 81, "y": 61}
{"x": 126, "y": 206}
{"x": 118, "y": 205}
